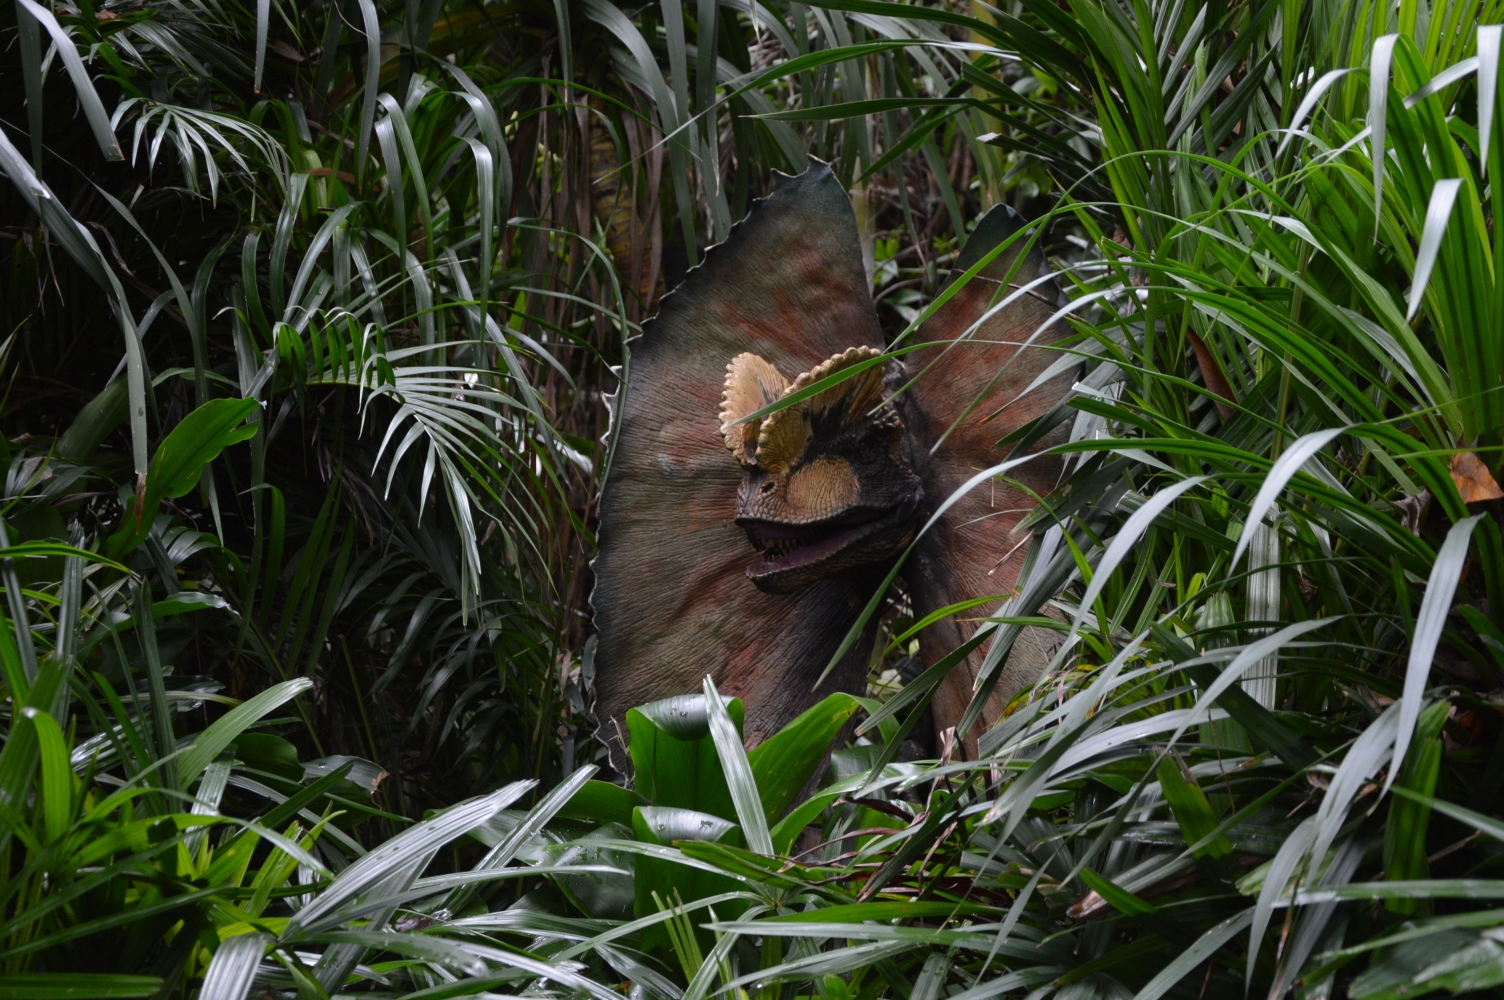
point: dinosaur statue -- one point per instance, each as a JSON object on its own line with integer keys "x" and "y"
{"x": 748, "y": 548}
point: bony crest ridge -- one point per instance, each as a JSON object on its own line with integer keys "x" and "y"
{"x": 826, "y": 490}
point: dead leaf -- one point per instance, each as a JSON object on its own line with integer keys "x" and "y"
{"x": 1374, "y": 700}
{"x": 1473, "y": 479}
{"x": 1087, "y": 906}
{"x": 286, "y": 51}
{"x": 1413, "y": 511}
{"x": 326, "y": 172}
{"x": 105, "y": 15}
{"x": 1211, "y": 374}
{"x": 140, "y": 497}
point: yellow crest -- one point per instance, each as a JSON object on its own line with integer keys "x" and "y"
{"x": 751, "y": 384}
{"x": 784, "y": 435}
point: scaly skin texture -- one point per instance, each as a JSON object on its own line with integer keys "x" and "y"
{"x": 828, "y": 492}
{"x": 746, "y": 548}
{"x": 970, "y": 391}
{"x": 672, "y": 598}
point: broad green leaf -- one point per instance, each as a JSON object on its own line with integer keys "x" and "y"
{"x": 681, "y": 771}
{"x": 57, "y": 774}
{"x": 784, "y": 763}
{"x": 730, "y": 859}
{"x": 599, "y": 894}
{"x": 786, "y": 831}
{"x": 179, "y": 460}
{"x": 671, "y": 880}
{"x": 1192, "y": 810}
{"x": 269, "y": 753}
{"x": 603, "y": 802}
{"x": 664, "y": 825}
{"x": 684, "y": 716}
{"x": 213, "y": 741}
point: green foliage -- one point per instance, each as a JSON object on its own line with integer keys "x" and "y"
{"x": 783, "y": 764}
{"x": 138, "y": 867}
{"x": 196, "y": 441}
{"x": 674, "y": 758}
{"x": 356, "y": 274}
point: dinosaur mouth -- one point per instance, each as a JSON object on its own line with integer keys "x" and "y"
{"x": 793, "y": 556}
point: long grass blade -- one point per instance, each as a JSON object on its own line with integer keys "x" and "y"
{"x": 1438, "y": 214}
{"x": 1205, "y": 947}
{"x": 738, "y": 771}
{"x": 233, "y": 967}
{"x": 1446, "y": 573}
{"x": 1378, "y": 106}
{"x": 1489, "y": 51}
{"x": 83, "y": 86}
{"x": 1280, "y": 474}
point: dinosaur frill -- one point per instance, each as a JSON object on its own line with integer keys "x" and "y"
{"x": 747, "y": 548}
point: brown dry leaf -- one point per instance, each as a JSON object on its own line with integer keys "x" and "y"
{"x": 286, "y": 51}
{"x": 1473, "y": 479}
{"x": 1413, "y": 511}
{"x": 1211, "y": 374}
{"x": 327, "y": 172}
{"x": 1087, "y": 906}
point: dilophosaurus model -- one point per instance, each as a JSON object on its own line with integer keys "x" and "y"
{"x": 748, "y": 548}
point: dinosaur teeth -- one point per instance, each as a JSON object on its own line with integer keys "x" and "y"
{"x": 779, "y": 543}
{"x": 778, "y": 548}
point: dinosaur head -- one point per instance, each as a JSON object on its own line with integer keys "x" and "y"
{"x": 826, "y": 490}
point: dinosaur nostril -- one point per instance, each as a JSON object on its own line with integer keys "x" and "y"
{"x": 767, "y": 487}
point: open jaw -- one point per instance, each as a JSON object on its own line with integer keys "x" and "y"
{"x": 799, "y": 554}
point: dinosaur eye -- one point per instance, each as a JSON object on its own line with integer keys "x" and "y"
{"x": 766, "y": 487}
{"x": 867, "y": 451}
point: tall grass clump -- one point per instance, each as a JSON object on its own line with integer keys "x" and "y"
{"x": 311, "y": 309}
